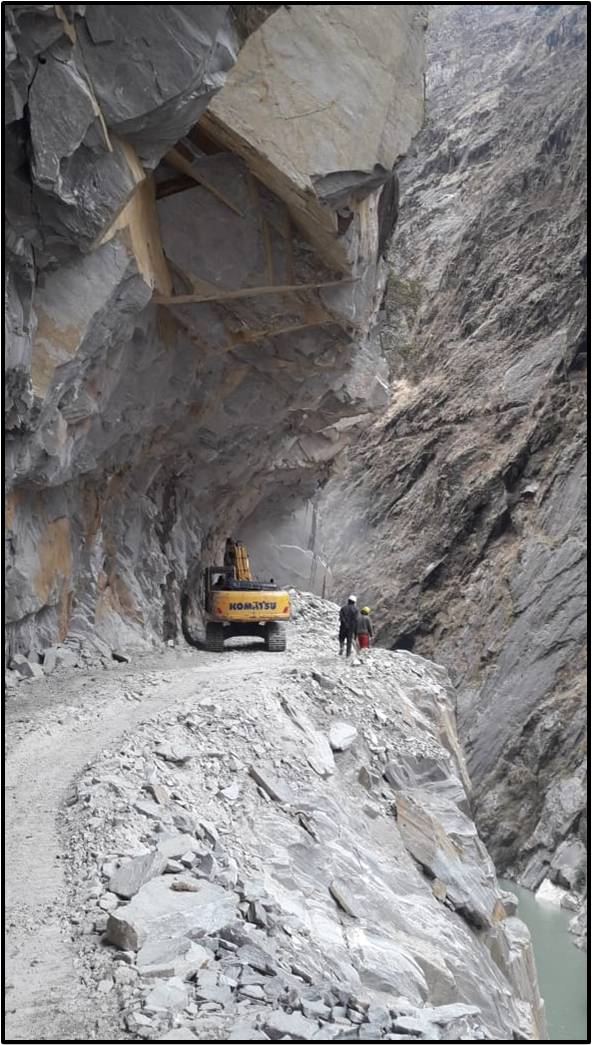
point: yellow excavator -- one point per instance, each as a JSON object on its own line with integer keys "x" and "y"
{"x": 235, "y": 604}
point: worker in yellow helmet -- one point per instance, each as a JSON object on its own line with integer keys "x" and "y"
{"x": 365, "y": 629}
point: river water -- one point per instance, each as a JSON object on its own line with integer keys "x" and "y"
{"x": 562, "y": 968}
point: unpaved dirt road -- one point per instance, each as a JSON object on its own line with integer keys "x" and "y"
{"x": 54, "y": 729}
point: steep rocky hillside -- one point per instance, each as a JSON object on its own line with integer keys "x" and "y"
{"x": 195, "y": 242}
{"x": 259, "y": 847}
{"x": 461, "y": 515}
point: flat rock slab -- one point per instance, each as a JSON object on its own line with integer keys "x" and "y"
{"x": 271, "y": 784}
{"x": 178, "y": 753}
{"x": 344, "y": 897}
{"x": 173, "y": 846}
{"x": 172, "y": 994}
{"x": 342, "y": 736}
{"x": 320, "y": 756}
{"x": 158, "y": 911}
{"x": 324, "y": 682}
{"x": 293, "y": 1025}
{"x": 178, "y": 957}
{"x": 443, "y": 1014}
{"x": 129, "y": 879}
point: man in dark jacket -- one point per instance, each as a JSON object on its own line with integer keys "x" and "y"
{"x": 348, "y": 625}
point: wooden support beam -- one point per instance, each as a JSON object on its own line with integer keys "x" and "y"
{"x": 183, "y": 276}
{"x": 245, "y": 337}
{"x": 176, "y": 159}
{"x": 250, "y": 292}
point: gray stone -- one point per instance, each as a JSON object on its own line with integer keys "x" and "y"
{"x": 371, "y": 1032}
{"x": 120, "y": 656}
{"x": 125, "y": 975}
{"x": 535, "y": 871}
{"x": 25, "y": 668}
{"x": 130, "y": 877}
{"x": 510, "y": 902}
{"x": 158, "y": 910}
{"x": 210, "y": 988}
{"x": 445, "y": 842}
{"x": 178, "y": 753}
{"x": 569, "y": 864}
{"x": 152, "y": 810}
{"x": 344, "y": 897}
{"x": 159, "y": 794}
{"x": 50, "y": 659}
{"x": 419, "y": 1026}
{"x": 279, "y": 1024}
{"x": 177, "y": 957}
{"x": 342, "y": 735}
{"x": 277, "y": 789}
{"x": 315, "y": 1010}
{"x": 324, "y": 682}
{"x": 441, "y": 1015}
{"x": 320, "y": 755}
{"x": 108, "y": 902}
{"x": 171, "y": 995}
{"x": 367, "y": 779}
{"x": 174, "y": 846}
{"x": 252, "y": 990}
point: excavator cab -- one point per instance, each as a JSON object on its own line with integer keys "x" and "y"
{"x": 235, "y": 604}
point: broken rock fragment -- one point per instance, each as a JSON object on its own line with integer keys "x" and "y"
{"x": 179, "y": 957}
{"x": 178, "y": 753}
{"x": 27, "y": 669}
{"x": 170, "y": 995}
{"x": 174, "y": 846}
{"x": 128, "y": 879}
{"x": 342, "y": 735}
{"x": 158, "y": 911}
{"x": 344, "y": 897}
{"x": 292, "y": 1025}
{"x": 271, "y": 784}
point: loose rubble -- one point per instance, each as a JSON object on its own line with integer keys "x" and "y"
{"x": 278, "y": 890}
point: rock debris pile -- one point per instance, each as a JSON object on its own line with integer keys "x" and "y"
{"x": 297, "y": 861}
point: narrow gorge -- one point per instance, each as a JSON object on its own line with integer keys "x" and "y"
{"x": 313, "y": 275}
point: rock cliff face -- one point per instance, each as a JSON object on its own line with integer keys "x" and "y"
{"x": 461, "y": 515}
{"x": 191, "y": 285}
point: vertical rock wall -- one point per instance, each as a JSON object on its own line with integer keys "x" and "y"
{"x": 189, "y": 300}
{"x": 461, "y": 516}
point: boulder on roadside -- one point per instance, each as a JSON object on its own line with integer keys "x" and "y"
{"x": 342, "y": 735}
{"x": 178, "y": 753}
{"x": 130, "y": 877}
{"x": 26, "y": 669}
{"x": 158, "y": 911}
{"x": 171, "y": 995}
{"x": 179, "y": 957}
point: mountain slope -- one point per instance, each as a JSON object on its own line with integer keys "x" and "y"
{"x": 461, "y": 515}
